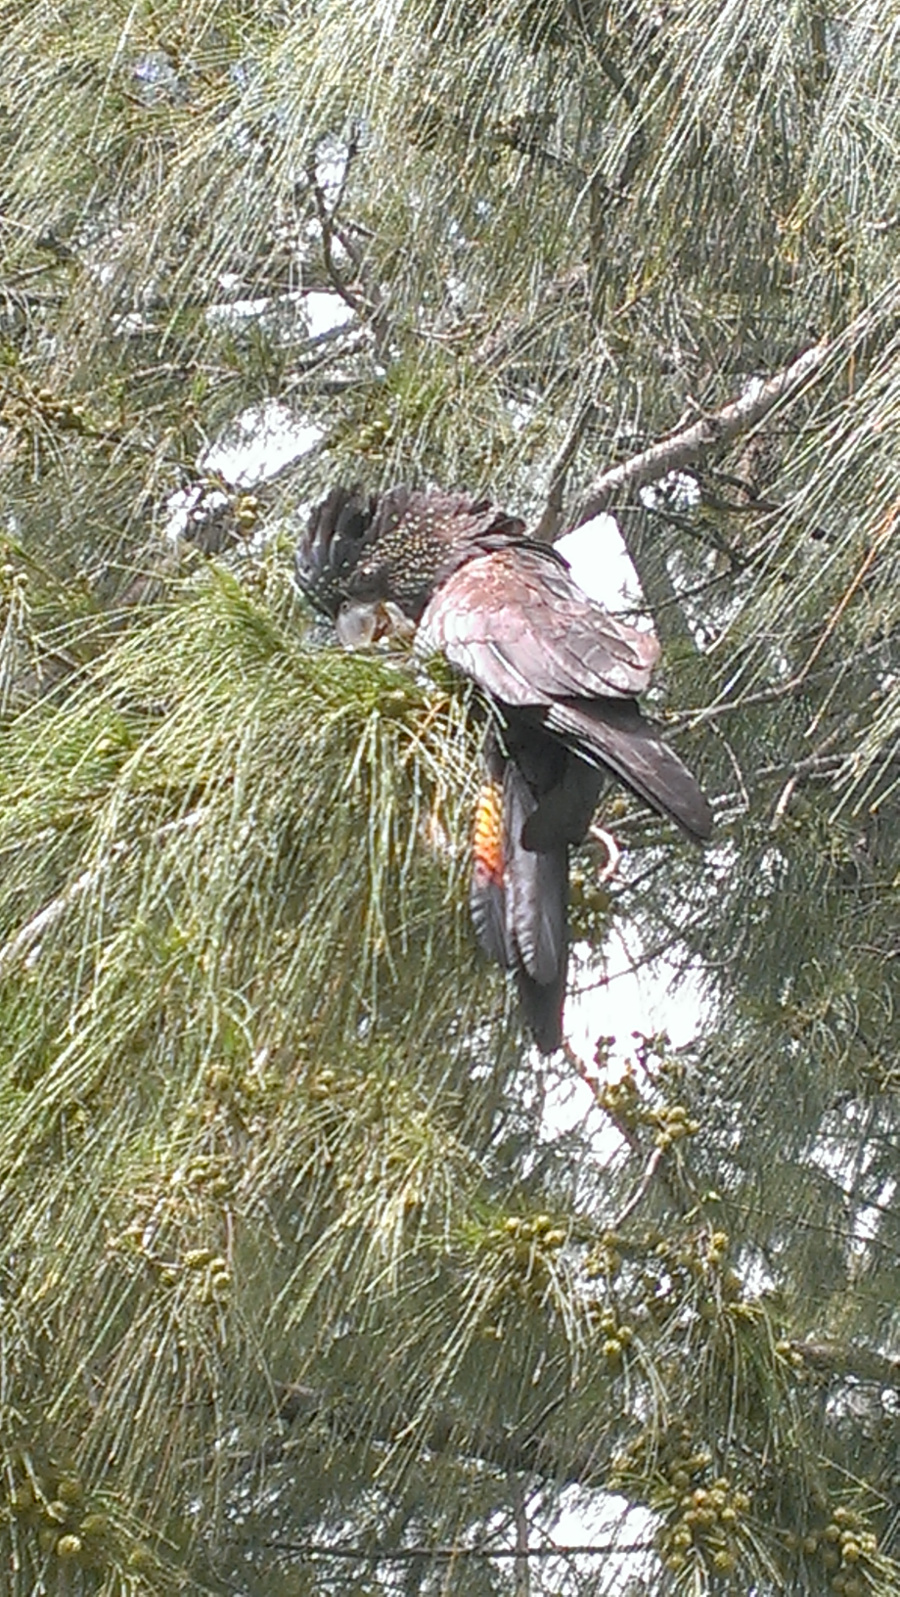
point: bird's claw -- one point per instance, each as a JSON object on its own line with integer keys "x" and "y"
{"x": 613, "y": 852}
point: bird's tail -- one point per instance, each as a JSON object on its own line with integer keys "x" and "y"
{"x": 613, "y": 733}
{"x": 519, "y": 902}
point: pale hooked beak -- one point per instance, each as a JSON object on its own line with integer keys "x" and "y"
{"x": 359, "y": 624}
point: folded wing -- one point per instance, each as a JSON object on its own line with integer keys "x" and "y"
{"x": 518, "y": 625}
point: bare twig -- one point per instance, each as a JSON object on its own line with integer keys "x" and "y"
{"x": 688, "y": 719}
{"x": 640, "y": 1191}
{"x": 823, "y": 766}
{"x": 522, "y": 1575}
{"x": 363, "y": 298}
{"x": 735, "y": 765}
{"x": 552, "y": 515}
{"x": 348, "y": 292}
{"x": 886, "y": 224}
{"x": 443, "y": 1555}
{"x": 580, "y": 1067}
{"x": 784, "y": 799}
{"x": 821, "y": 760}
{"x": 521, "y": 136}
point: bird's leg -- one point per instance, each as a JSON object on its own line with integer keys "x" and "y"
{"x": 613, "y": 852}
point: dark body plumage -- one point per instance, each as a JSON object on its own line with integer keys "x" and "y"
{"x": 561, "y": 673}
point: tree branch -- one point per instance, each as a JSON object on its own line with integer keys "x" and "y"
{"x": 522, "y": 1549}
{"x": 449, "y": 1555}
{"x": 857, "y": 1363}
{"x": 692, "y": 445}
{"x": 365, "y": 299}
{"x": 532, "y": 1452}
{"x": 551, "y": 520}
{"x": 348, "y": 292}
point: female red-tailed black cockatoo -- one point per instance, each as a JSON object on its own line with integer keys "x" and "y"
{"x": 561, "y": 676}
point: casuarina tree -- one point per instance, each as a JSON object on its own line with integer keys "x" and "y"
{"x": 315, "y": 1276}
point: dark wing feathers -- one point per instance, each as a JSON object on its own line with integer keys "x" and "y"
{"x": 537, "y": 919}
{"x": 329, "y": 548}
{"x": 536, "y": 887}
{"x": 517, "y": 624}
{"x": 617, "y": 735}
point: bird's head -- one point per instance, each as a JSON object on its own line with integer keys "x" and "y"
{"x": 370, "y": 549}
{"x": 347, "y": 564}
{"x": 373, "y": 562}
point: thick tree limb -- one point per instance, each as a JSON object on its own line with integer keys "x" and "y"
{"x": 691, "y": 445}
{"x": 538, "y": 1453}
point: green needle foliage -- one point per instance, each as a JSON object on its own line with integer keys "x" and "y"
{"x": 312, "y": 1278}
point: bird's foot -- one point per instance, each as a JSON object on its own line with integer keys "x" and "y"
{"x": 613, "y": 852}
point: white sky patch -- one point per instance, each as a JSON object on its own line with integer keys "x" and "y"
{"x": 321, "y": 312}
{"x": 601, "y": 564}
{"x": 231, "y": 313}
{"x": 618, "y": 1001}
{"x": 324, "y": 312}
{"x": 869, "y": 1219}
{"x": 609, "y": 1520}
{"x": 679, "y": 484}
{"x": 520, "y": 415}
{"x": 260, "y": 442}
{"x": 183, "y": 505}
{"x": 585, "y": 1517}
{"x": 331, "y": 163}
{"x": 624, "y": 1000}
